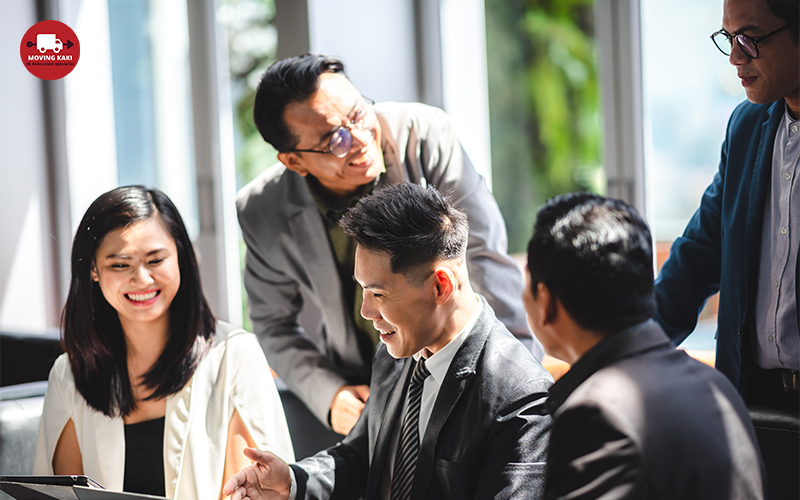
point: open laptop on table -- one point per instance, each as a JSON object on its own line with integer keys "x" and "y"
{"x": 63, "y": 488}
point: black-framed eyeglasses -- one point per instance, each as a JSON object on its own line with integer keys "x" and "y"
{"x": 341, "y": 140}
{"x": 749, "y": 45}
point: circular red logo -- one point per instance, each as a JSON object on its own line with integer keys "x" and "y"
{"x": 50, "y": 50}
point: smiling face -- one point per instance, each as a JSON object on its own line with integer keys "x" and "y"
{"x": 313, "y": 121}
{"x": 775, "y": 74}
{"x": 137, "y": 270}
{"x": 406, "y": 316}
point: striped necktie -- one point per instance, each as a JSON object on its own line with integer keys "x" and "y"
{"x": 405, "y": 462}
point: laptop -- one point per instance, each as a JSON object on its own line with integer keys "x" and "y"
{"x": 45, "y": 487}
{"x": 86, "y": 493}
{"x": 63, "y": 488}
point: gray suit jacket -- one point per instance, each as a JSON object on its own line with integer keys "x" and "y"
{"x": 288, "y": 251}
{"x": 635, "y": 418}
{"x": 486, "y": 437}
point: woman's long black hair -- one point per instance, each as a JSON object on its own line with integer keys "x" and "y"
{"x": 92, "y": 335}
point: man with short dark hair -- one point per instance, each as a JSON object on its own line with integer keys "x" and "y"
{"x": 335, "y": 147}
{"x": 456, "y": 409}
{"x": 633, "y": 418}
{"x": 743, "y": 240}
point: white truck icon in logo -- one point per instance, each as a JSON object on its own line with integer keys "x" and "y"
{"x": 45, "y": 42}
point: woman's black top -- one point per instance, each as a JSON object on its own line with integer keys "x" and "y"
{"x": 144, "y": 457}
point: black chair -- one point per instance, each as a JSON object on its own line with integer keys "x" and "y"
{"x": 20, "y": 412}
{"x": 778, "y": 433}
{"x": 27, "y": 357}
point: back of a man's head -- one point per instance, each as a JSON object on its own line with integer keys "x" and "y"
{"x": 414, "y": 225}
{"x": 290, "y": 80}
{"x": 595, "y": 256}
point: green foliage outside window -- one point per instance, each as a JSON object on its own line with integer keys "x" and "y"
{"x": 252, "y": 45}
{"x": 544, "y": 106}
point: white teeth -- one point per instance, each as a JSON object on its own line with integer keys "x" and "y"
{"x": 384, "y": 332}
{"x": 141, "y": 297}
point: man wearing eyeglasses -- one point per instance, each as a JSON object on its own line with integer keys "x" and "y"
{"x": 334, "y": 148}
{"x": 743, "y": 240}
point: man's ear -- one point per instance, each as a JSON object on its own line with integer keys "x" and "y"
{"x": 293, "y": 162}
{"x": 93, "y": 272}
{"x": 444, "y": 280}
{"x": 549, "y": 304}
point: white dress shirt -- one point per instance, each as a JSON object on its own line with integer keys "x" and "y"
{"x": 437, "y": 365}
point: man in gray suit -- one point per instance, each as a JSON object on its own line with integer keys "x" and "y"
{"x": 334, "y": 148}
{"x": 457, "y": 403}
{"x": 633, "y": 418}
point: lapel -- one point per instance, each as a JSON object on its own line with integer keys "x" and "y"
{"x": 758, "y": 193}
{"x": 176, "y": 430}
{"x": 109, "y": 441}
{"x": 460, "y": 374}
{"x": 316, "y": 256}
{"x": 391, "y": 159}
{"x": 389, "y": 381}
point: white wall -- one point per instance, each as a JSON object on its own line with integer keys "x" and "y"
{"x": 26, "y": 266}
{"x": 374, "y": 39}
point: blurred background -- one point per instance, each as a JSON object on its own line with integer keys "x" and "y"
{"x": 628, "y": 98}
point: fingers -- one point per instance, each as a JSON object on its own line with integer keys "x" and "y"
{"x": 239, "y": 480}
{"x": 256, "y": 455}
{"x": 361, "y": 392}
{"x": 347, "y": 407}
{"x": 232, "y": 486}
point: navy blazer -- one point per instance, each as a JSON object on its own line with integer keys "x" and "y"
{"x": 486, "y": 438}
{"x": 721, "y": 246}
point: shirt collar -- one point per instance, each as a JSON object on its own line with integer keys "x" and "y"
{"x": 622, "y": 344}
{"x": 333, "y": 209}
{"x": 439, "y": 362}
{"x": 787, "y": 121}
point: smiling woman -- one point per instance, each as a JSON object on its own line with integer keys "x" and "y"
{"x": 142, "y": 348}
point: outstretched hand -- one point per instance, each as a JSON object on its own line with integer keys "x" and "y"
{"x": 267, "y": 479}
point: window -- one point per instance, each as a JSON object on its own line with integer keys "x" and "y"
{"x": 690, "y": 90}
{"x": 544, "y": 107}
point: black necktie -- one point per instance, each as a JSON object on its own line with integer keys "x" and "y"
{"x": 405, "y": 462}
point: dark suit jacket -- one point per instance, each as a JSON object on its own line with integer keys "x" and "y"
{"x": 486, "y": 437}
{"x": 721, "y": 246}
{"x": 635, "y": 418}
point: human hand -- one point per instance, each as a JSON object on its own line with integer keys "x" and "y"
{"x": 267, "y": 479}
{"x": 347, "y": 405}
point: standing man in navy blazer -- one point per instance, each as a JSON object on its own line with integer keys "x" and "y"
{"x": 743, "y": 240}
{"x": 634, "y": 418}
{"x": 479, "y": 425}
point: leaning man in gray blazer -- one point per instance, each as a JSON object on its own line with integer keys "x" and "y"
{"x": 334, "y": 148}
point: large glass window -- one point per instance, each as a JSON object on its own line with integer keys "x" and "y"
{"x": 252, "y": 45}
{"x": 544, "y": 108}
{"x": 129, "y": 117}
{"x": 690, "y": 90}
